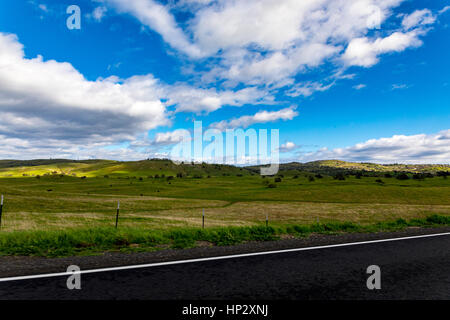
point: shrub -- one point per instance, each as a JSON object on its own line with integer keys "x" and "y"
{"x": 435, "y": 219}
{"x": 339, "y": 176}
{"x": 402, "y": 176}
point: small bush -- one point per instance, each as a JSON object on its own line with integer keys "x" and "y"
{"x": 436, "y": 219}
{"x": 402, "y": 176}
{"x": 339, "y": 176}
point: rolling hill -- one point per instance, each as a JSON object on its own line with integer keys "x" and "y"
{"x": 152, "y": 167}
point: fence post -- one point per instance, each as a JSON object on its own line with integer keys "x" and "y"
{"x": 267, "y": 219}
{"x": 1, "y": 211}
{"x": 203, "y": 219}
{"x": 117, "y": 214}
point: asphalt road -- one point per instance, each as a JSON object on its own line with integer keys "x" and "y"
{"x": 410, "y": 269}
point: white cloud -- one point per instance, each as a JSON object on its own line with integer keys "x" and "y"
{"x": 359, "y": 86}
{"x": 99, "y": 13}
{"x": 443, "y": 10}
{"x": 420, "y": 148}
{"x": 308, "y": 88}
{"x": 365, "y": 52}
{"x": 170, "y": 137}
{"x": 43, "y": 7}
{"x": 51, "y": 100}
{"x": 418, "y": 18}
{"x": 157, "y": 17}
{"x": 268, "y": 42}
{"x": 288, "y": 146}
{"x": 398, "y": 86}
{"x": 259, "y": 117}
{"x": 49, "y": 107}
{"x": 190, "y": 99}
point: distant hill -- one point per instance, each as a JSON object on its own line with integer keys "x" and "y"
{"x": 334, "y": 166}
{"x": 95, "y": 168}
{"x": 152, "y": 167}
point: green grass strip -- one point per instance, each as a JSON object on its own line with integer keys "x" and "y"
{"x": 96, "y": 240}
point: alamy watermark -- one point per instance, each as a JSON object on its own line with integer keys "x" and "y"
{"x": 232, "y": 147}
{"x": 74, "y": 20}
{"x": 374, "y": 280}
{"x": 74, "y": 281}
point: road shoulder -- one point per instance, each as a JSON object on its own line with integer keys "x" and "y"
{"x": 21, "y": 266}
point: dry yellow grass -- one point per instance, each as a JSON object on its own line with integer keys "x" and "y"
{"x": 220, "y": 214}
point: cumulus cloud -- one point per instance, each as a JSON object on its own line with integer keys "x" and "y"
{"x": 420, "y": 148}
{"x": 268, "y": 42}
{"x": 170, "y": 137}
{"x": 53, "y": 104}
{"x": 259, "y": 117}
{"x": 45, "y": 99}
{"x": 288, "y": 146}
{"x": 365, "y": 52}
{"x": 198, "y": 100}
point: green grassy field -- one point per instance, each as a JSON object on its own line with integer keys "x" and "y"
{"x": 80, "y": 198}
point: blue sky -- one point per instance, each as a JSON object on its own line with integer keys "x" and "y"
{"x": 362, "y": 80}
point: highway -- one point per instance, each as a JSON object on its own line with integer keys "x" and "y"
{"x": 416, "y": 268}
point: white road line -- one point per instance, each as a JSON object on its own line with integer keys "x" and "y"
{"x": 158, "y": 264}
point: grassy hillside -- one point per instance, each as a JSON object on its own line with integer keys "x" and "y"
{"x": 145, "y": 168}
{"x": 72, "y": 204}
{"x": 332, "y": 167}
{"x": 100, "y": 168}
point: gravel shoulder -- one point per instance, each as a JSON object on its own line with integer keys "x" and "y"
{"x": 20, "y": 266}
